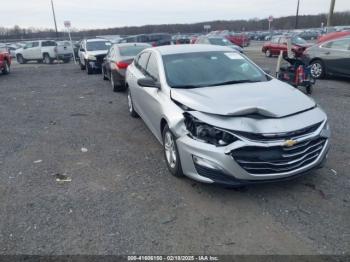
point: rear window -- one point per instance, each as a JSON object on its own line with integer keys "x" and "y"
{"x": 131, "y": 50}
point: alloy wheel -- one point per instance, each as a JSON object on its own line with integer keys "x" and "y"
{"x": 170, "y": 149}
{"x": 316, "y": 70}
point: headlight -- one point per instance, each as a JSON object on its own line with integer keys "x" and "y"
{"x": 92, "y": 57}
{"x": 326, "y": 131}
{"x": 207, "y": 133}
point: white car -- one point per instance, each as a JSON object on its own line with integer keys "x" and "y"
{"x": 43, "y": 51}
{"x": 91, "y": 54}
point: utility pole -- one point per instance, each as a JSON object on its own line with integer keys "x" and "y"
{"x": 297, "y": 16}
{"x": 54, "y": 17}
{"x": 330, "y": 14}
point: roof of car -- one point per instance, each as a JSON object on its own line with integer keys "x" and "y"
{"x": 190, "y": 48}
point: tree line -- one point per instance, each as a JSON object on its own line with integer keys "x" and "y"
{"x": 288, "y": 22}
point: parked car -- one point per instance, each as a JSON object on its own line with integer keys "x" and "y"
{"x": 279, "y": 43}
{"x": 239, "y": 39}
{"x": 309, "y": 34}
{"x": 217, "y": 40}
{"x": 42, "y": 51}
{"x": 333, "y": 35}
{"x": 91, "y": 54}
{"x": 5, "y": 61}
{"x": 221, "y": 119}
{"x": 330, "y": 58}
{"x": 156, "y": 39}
{"x": 118, "y": 58}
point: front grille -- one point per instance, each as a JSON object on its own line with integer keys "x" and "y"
{"x": 99, "y": 58}
{"x": 278, "y": 159}
{"x": 280, "y": 136}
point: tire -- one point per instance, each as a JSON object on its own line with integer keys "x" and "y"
{"x": 268, "y": 53}
{"x": 171, "y": 153}
{"x": 317, "y": 69}
{"x": 20, "y": 59}
{"x": 132, "y": 111}
{"x": 309, "y": 90}
{"x": 89, "y": 70}
{"x": 7, "y": 69}
{"x": 104, "y": 74}
{"x": 82, "y": 67}
{"x": 47, "y": 59}
{"x": 117, "y": 87}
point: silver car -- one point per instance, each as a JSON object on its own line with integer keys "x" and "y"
{"x": 221, "y": 119}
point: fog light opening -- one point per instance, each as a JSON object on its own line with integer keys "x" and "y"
{"x": 205, "y": 163}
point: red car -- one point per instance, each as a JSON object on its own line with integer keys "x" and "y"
{"x": 279, "y": 43}
{"x": 333, "y": 35}
{"x": 238, "y": 39}
{"x": 5, "y": 61}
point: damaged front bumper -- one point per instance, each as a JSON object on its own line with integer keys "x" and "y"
{"x": 248, "y": 161}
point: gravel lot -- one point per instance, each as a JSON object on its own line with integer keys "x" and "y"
{"x": 121, "y": 198}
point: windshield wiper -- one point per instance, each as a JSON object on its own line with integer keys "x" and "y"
{"x": 235, "y": 82}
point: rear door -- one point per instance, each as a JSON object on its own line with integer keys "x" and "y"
{"x": 336, "y": 55}
{"x": 35, "y": 51}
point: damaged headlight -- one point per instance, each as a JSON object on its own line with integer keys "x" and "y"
{"x": 207, "y": 133}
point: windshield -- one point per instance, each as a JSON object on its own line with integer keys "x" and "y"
{"x": 220, "y": 41}
{"x": 131, "y": 50}
{"x": 202, "y": 69}
{"x": 98, "y": 45}
{"x": 298, "y": 40}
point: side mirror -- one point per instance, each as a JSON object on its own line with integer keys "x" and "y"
{"x": 267, "y": 71}
{"x": 148, "y": 82}
{"x": 82, "y": 50}
{"x": 25, "y": 47}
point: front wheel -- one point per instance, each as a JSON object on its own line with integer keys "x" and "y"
{"x": 89, "y": 69}
{"x": 20, "y": 59}
{"x": 171, "y": 153}
{"x": 6, "y": 70}
{"x": 268, "y": 53}
{"x": 47, "y": 59}
{"x": 317, "y": 69}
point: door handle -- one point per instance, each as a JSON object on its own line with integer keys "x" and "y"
{"x": 327, "y": 53}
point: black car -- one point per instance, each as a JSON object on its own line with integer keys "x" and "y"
{"x": 330, "y": 58}
{"x": 118, "y": 58}
{"x": 156, "y": 39}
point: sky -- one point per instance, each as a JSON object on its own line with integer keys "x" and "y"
{"x": 89, "y": 14}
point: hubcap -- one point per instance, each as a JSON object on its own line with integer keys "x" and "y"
{"x": 268, "y": 53}
{"x": 170, "y": 149}
{"x": 316, "y": 70}
{"x": 130, "y": 102}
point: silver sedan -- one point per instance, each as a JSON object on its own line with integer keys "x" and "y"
{"x": 221, "y": 119}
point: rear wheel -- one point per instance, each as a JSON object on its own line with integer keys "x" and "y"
{"x": 6, "y": 70}
{"x": 47, "y": 59}
{"x": 132, "y": 111}
{"x": 117, "y": 86}
{"x": 309, "y": 89}
{"x": 317, "y": 69}
{"x": 171, "y": 153}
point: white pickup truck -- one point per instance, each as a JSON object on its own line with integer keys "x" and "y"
{"x": 44, "y": 51}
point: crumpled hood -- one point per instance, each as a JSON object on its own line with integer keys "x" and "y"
{"x": 270, "y": 99}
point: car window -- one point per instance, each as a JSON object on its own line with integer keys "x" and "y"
{"x": 35, "y": 44}
{"x": 98, "y": 45}
{"x": 283, "y": 40}
{"x": 28, "y": 45}
{"x": 152, "y": 67}
{"x": 142, "y": 60}
{"x": 48, "y": 43}
{"x": 342, "y": 44}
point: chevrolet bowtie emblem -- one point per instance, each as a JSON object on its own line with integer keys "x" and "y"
{"x": 290, "y": 143}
